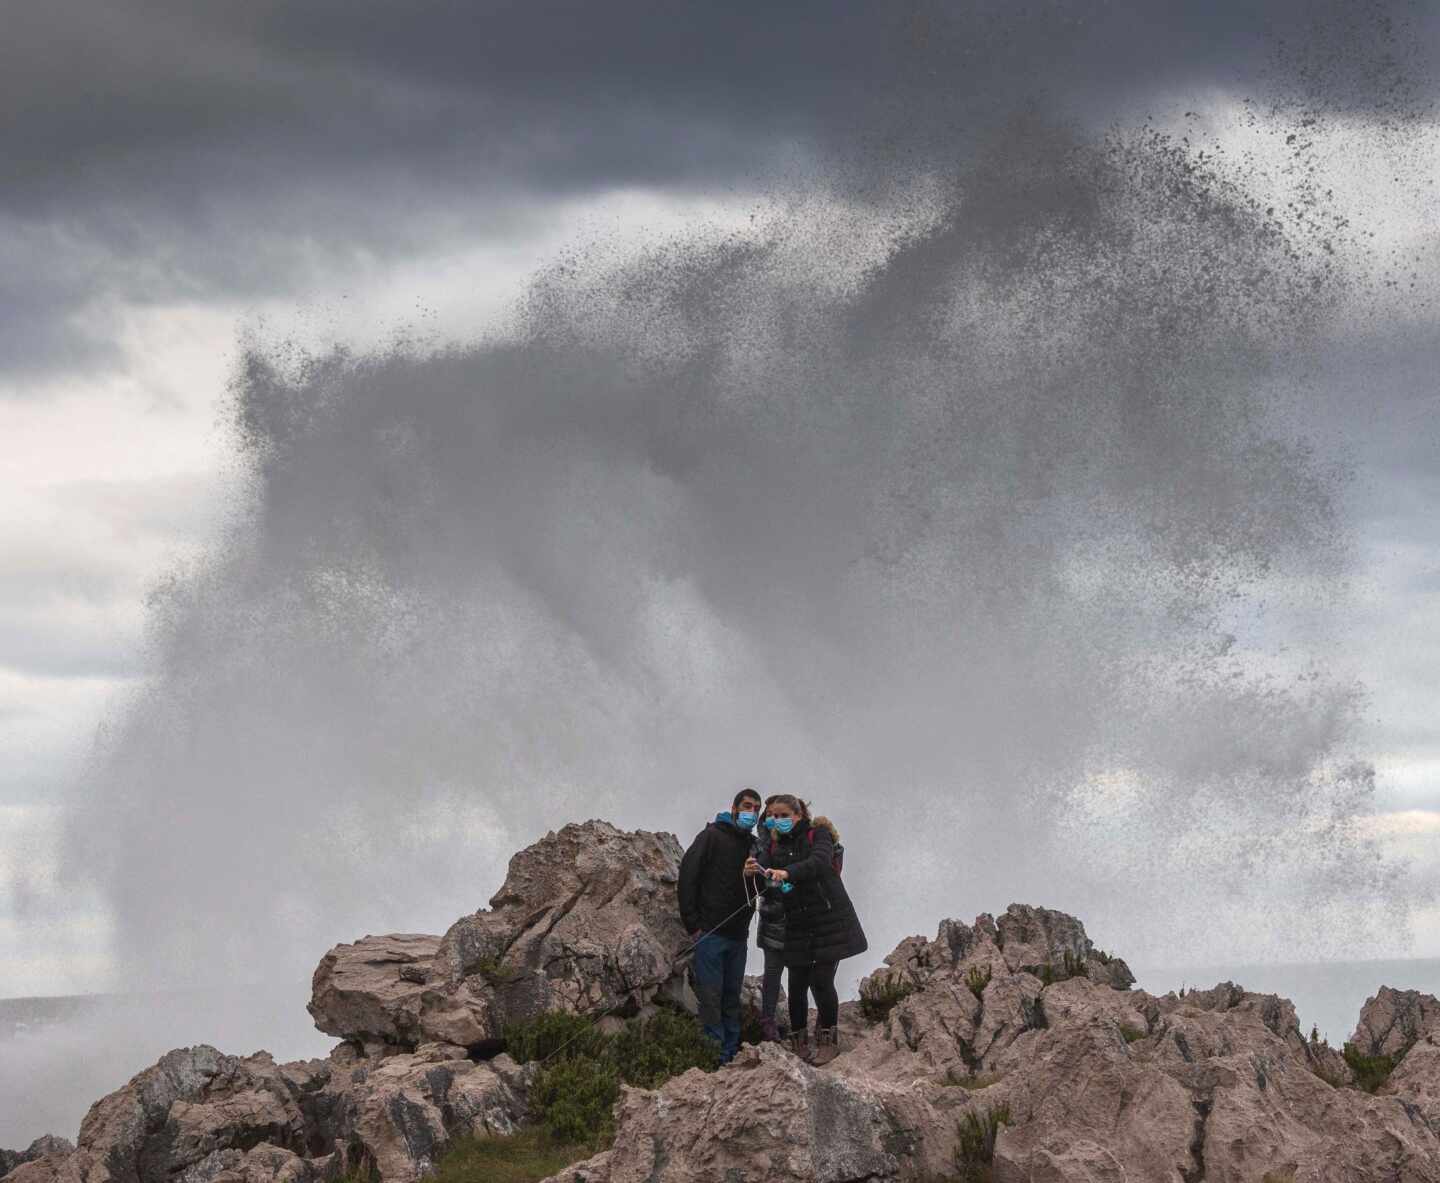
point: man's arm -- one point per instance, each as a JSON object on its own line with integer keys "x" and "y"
{"x": 689, "y": 889}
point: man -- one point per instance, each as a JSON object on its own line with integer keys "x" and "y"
{"x": 717, "y": 900}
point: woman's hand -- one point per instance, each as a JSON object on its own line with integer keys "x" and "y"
{"x": 778, "y": 875}
{"x": 752, "y": 867}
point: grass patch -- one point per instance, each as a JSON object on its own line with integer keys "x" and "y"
{"x": 1370, "y": 1071}
{"x": 877, "y": 1005}
{"x": 977, "y": 977}
{"x": 976, "y": 1149}
{"x": 496, "y": 972}
{"x": 1278, "y": 1177}
{"x": 573, "y": 1095}
{"x": 1132, "y": 1034}
{"x": 1070, "y": 967}
{"x": 520, "y": 1158}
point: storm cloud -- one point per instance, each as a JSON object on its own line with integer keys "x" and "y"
{"x": 160, "y": 149}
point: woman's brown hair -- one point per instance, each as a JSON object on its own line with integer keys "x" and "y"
{"x": 797, "y": 806}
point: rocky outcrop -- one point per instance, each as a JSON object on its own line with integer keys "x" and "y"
{"x": 770, "y": 1117}
{"x": 200, "y": 1116}
{"x": 1394, "y": 1021}
{"x": 1008, "y": 1043}
{"x": 1018, "y": 1027}
{"x": 585, "y": 922}
{"x": 370, "y": 991}
{"x": 48, "y": 1147}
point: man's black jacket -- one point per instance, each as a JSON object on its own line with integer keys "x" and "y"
{"x": 712, "y": 880}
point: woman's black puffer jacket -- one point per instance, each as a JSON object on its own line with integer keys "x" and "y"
{"x": 820, "y": 920}
{"x": 770, "y": 931}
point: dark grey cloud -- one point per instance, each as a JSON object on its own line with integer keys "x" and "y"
{"x": 184, "y": 150}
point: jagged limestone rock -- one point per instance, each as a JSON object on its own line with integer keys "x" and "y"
{"x": 585, "y": 922}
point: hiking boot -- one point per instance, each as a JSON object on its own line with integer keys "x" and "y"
{"x": 799, "y": 1043}
{"x": 827, "y": 1045}
{"x": 769, "y": 1031}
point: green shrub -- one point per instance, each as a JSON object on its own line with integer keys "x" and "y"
{"x": 649, "y": 1052}
{"x": 574, "y": 1099}
{"x": 1102, "y": 957}
{"x": 582, "y": 1068}
{"x": 554, "y": 1033}
{"x": 526, "y": 1157}
{"x": 1370, "y": 1071}
{"x": 1070, "y": 967}
{"x": 877, "y": 1005}
{"x": 496, "y": 972}
{"x": 976, "y": 1149}
{"x": 1132, "y": 1034}
{"x": 977, "y": 977}
{"x": 1278, "y": 1177}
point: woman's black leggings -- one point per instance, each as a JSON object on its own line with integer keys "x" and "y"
{"x": 817, "y": 979}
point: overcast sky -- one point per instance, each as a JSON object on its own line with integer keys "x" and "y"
{"x": 177, "y": 176}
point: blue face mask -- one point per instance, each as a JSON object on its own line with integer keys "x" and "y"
{"x": 746, "y": 820}
{"x": 782, "y": 825}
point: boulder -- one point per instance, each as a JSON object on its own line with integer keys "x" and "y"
{"x": 370, "y": 991}
{"x": 586, "y": 921}
{"x": 397, "y": 1114}
{"x": 770, "y": 1117}
{"x": 1393, "y": 1021}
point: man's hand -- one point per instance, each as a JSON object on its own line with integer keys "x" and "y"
{"x": 752, "y": 867}
{"x": 778, "y": 875}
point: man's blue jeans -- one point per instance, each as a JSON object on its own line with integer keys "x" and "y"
{"x": 719, "y": 976}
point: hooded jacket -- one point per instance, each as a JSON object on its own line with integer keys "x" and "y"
{"x": 820, "y": 921}
{"x": 714, "y": 893}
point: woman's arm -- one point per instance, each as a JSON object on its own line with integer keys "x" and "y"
{"x": 822, "y": 850}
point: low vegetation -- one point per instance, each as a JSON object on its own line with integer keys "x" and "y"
{"x": 879, "y": 1002}
{"x": 1278, "y": 1177}
{"x": 1370, "y": 1071}
{"x": 976, "y": 1149}
{"x": 573, "y": 1095}
{"x": 1070, "y": 967}
{"x": 977, "y": 977}
{"x": 1132, "y": 1034}
{"x": 525, "y": 1157}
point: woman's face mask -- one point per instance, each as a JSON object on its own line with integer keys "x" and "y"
{"x": 781, "y": 825}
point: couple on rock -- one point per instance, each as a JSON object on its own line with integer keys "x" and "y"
{"x": 808, "y": 925}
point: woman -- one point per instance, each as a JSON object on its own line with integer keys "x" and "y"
{"x": 769, "y": 934}
{"x": 821, "y": 927}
